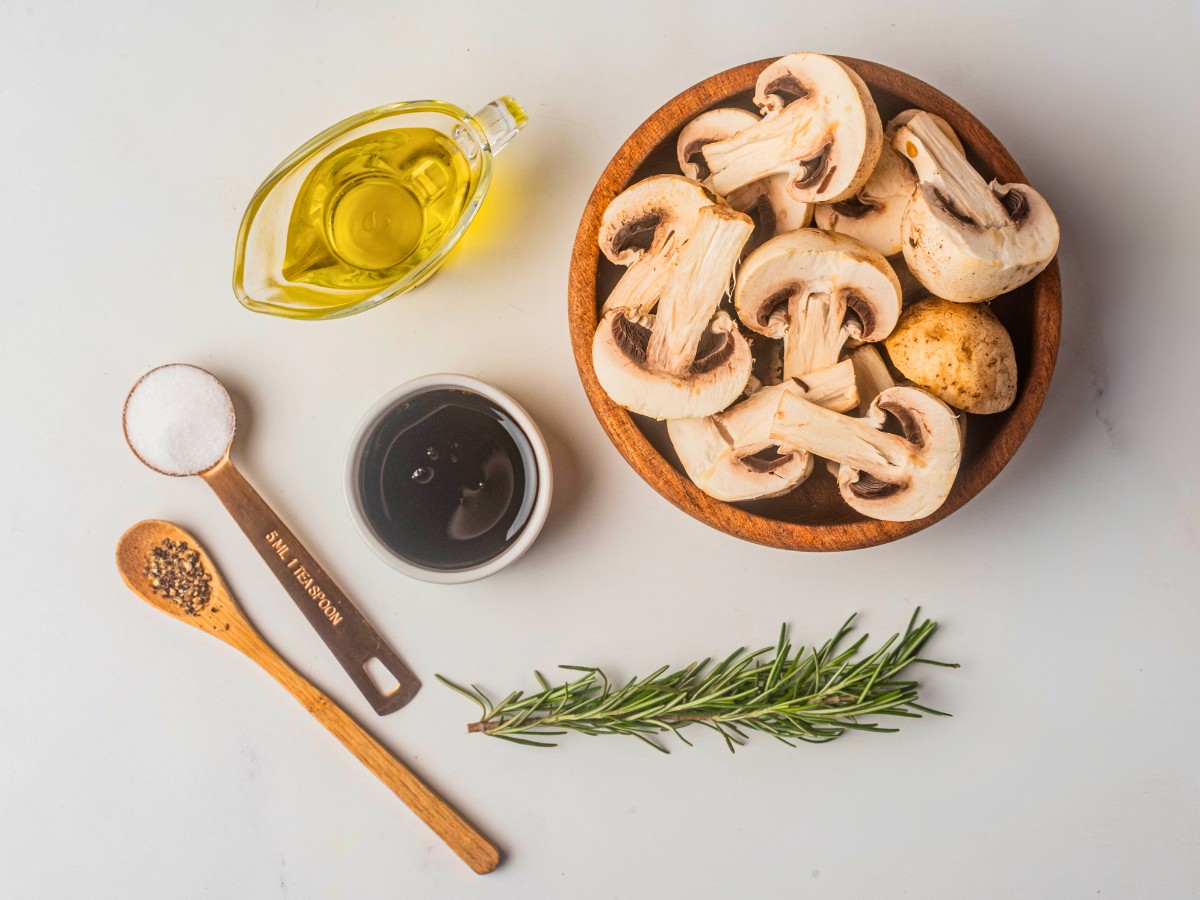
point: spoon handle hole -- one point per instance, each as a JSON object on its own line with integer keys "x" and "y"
{"x": 383, "y": 679}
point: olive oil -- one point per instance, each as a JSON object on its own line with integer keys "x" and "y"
{"x": 372, "y": 211}
{"x": 369, "y": 208}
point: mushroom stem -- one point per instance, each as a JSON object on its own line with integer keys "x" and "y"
{"x": 940, "y": 163}
{"x": 691, "y": 295}
{"x": 857, "y": 442}
{"x": 871, "y": 375}
{"x": 774, "y": 140}
{"x": 833, "y": 388}
{"x": 815, "y": 332}
{"x": 749, "y": 422}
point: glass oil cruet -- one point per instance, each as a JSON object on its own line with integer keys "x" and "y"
{"x": 368, "y": 208}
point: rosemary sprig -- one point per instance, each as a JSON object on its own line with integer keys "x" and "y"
{"x": 811, "y": 694}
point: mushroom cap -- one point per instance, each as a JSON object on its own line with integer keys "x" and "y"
{"x": 931, "y": 426}
{"x": 719, "y": 373}
{"x": 875, "y": 213}
{"x": 820, "y": 126}
{"x": 966, "y": 263}
{"x": 638, "y": 220}
{"x": 964, "y": 239}
{"x": 820, "y": 261}
{"x": 960, "y": 353}
{"x": 713, "y": 125}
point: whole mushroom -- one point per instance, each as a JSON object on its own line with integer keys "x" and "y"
{"x": 894, "y": 477}
{"x": 958, "y": 352}
{"x": 964, "y": 239}
{"x": 687, "y": 359}
{"x": 819, "y": 126}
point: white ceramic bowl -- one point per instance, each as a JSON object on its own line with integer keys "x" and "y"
{"x": 541, "y": 503}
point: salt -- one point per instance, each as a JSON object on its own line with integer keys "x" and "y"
{"x": 179, "y": 420}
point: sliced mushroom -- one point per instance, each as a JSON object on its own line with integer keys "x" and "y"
{"x": 730, "y": 456}
{"x": 644, "y": 227}
{"x": 886, "y": 476}
{"x": 960, "y": 353}
{"x": 816, "y": 290}
{"x": 964, "y": 239}
{"x": 688, "y": 359}
{"x": 768, "y": 201}
{"x": 820, "y": 127}
{"x": 874, "y": 214}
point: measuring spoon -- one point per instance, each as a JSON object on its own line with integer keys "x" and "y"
{"x": 179, "y": 420}
{"x": 221, "y": 616}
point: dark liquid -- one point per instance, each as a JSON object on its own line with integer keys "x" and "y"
{"x": 447, "y": 479}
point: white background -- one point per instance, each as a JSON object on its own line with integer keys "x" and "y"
{"x": 138, "y": 759}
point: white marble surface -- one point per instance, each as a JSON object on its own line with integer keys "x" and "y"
{"x": 139, "y": 760}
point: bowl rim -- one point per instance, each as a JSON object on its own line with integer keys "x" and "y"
{"x": 674, "y": 485}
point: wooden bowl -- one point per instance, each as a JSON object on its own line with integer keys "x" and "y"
{"x": 814, "y": 516}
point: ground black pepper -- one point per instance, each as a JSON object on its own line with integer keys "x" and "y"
{"x": 176, "y": 572}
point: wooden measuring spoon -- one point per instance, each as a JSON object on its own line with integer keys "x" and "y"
{"x": 153, "y": 426}
{"x": 222, "y": 617}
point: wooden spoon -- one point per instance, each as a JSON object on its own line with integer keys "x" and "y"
{"x": 222, "y": 617}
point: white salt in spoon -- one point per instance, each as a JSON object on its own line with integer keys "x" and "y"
{"x": 179, "y": 420}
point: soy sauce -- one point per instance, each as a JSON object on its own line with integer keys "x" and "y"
{"x": 447, "y": 479}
